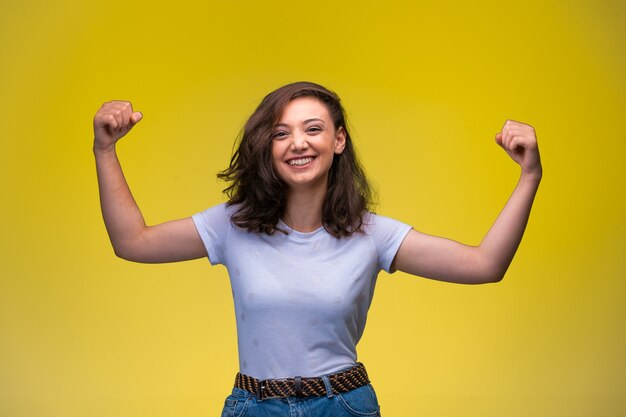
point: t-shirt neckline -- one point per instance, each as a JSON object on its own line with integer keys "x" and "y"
{"x": 295, "y": 234}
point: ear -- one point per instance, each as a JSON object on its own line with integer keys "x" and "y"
{"x": 340, "y": 140}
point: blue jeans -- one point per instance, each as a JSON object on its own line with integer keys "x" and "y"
{"x": 360, "y": 402}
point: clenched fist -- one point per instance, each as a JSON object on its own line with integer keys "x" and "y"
{"x": 112, "y": 122}
{"x": 520, "y": 143}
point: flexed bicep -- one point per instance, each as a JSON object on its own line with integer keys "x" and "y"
{"x": 173, "y": 241}
{"x": 441, "y": 259}
{"x": 130, "y": 237}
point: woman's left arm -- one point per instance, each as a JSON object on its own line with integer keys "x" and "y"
{"x": 446, "y": 260}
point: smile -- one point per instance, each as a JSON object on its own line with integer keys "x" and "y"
{"x": 298, "y": 162}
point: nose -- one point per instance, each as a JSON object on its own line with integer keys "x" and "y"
{"x": 299, "y": 142}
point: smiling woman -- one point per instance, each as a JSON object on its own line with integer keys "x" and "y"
{"x": 304, "y": 145}
{"x": 302, "y": 249}
{"x": 292, "y": 123}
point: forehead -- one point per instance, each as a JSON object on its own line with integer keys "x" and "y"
{"x": 304, "y": 108}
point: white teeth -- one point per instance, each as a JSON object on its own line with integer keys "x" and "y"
{"x": 300, "y": 162}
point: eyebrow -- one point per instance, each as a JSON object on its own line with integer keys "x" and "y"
{"x": 314, "y": 119}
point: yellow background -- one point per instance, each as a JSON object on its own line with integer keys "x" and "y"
{"x": 426, "y": 85}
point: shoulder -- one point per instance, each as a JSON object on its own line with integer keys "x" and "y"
{"x": 221, "y": 211}
{"x": 387, "y": 235}
{"x": 216, "y": 218}
{"x": 375, "y": 223}
{"x": 214, "y": 227}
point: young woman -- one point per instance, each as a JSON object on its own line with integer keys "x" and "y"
{"x": 302, "y": 248}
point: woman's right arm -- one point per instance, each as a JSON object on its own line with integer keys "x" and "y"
{"x": 131, "y": 238}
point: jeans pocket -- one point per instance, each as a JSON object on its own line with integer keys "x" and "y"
{"x": 235, "y": 406}
{"x": 360, "y": 402}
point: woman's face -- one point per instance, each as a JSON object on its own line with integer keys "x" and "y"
{"x": 304, "y": 143}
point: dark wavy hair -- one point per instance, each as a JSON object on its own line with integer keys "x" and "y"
{"x": 259, "y": 194}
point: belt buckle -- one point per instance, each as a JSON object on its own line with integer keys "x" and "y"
{"x": 260, "y": 389}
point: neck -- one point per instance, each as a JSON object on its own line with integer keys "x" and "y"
{"x": 304, "y": 209}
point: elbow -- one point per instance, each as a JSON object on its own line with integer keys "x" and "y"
{"x": 131, "y": 256}
{"x": 495, "y": 278}
{"x": 126, "y": 252}
{"x": 129, "y": 248}
{"x": 122, "y": 253}
{"x": 495, "y": 275}
{"x": 492, "y": 269}
{"x": 485, "y": 278}
{"x": 491, "y": 274}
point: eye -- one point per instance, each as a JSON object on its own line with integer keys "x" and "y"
{"x": 314, "y": 129}
{"x": 280, "y": 134}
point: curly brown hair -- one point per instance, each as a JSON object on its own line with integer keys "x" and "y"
{"x": 260, "y": 195}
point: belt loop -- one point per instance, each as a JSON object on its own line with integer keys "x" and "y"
{"x": 329, "y": 388}
{"x": 260, "y": 390}
{"x": 298, "y": 386}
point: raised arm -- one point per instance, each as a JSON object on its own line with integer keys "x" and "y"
{"x": 131, "y": 238}
{"x": 447, "y": 260}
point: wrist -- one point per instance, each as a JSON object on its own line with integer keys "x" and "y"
{"x": 99, "y": 150}
{"x": 533, "y": 177}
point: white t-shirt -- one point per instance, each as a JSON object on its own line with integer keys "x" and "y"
{"x": 301, "y": 299}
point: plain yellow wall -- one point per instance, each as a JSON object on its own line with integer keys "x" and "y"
{"x": 426, "y": 85}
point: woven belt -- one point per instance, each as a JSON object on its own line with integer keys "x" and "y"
{"x": 342, "y": 381}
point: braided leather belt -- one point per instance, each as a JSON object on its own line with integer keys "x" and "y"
{"x": 342, "y": 381}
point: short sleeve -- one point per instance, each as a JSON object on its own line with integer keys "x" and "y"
{"x": 213, "y": 226}
{"x": 387, "y": 234}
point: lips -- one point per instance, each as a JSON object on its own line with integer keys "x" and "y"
{"x": 301, "y": 161}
